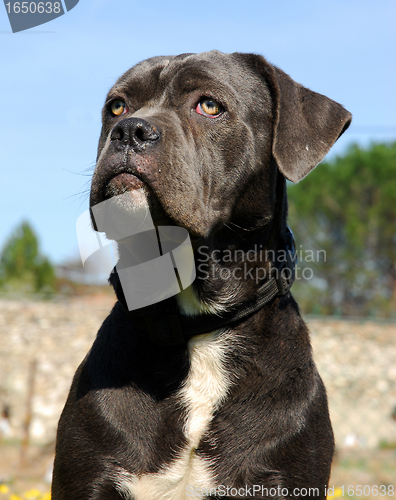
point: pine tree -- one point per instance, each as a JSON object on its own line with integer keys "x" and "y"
{"x": 347, "y": 207}
{"x": 22, "y": 267}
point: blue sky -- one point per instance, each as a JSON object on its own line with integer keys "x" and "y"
{"x": 54, "y": 79}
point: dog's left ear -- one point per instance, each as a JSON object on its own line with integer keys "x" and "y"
{"x": 306, "y": 124}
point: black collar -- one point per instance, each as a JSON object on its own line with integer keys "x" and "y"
{"x": 173, "y": 329}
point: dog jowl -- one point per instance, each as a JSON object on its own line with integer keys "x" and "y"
{"x": 211, "y": 393}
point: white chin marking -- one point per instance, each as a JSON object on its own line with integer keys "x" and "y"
{"x": 132, "y": 201}
{"x": 139, "y": 197}
{"x": 127, "y": 214}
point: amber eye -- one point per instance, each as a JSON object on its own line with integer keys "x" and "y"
{"x": 209, "y": 107}
{"x": 118, "y": 107}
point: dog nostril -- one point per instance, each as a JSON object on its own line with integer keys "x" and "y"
{"x": 146, "y": 133}
{"x": 140, "y": 134}
{"x": 136, "y": 132}
{"x": 117, "y": 134}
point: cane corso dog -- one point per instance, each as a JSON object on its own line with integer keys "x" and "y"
{"x": 220, "y": 396}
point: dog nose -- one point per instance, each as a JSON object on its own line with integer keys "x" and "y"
{"x": 136, "y": 132}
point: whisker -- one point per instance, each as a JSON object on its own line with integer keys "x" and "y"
{"x": 239, "y": 227}
{"x": 233, "y": 230}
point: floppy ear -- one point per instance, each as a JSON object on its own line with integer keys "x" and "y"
{"x": 306, "y": 124}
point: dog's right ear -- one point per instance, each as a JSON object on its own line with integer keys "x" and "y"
{"x": 306, "y": 124}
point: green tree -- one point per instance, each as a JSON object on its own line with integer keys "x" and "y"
{"x": 22, "y": 267}
{"x": 347, "y": 207}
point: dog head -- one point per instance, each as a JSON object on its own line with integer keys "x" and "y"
{"x": 201, "y": 139}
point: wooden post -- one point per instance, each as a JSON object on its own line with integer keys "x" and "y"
{"x": 28, "y": 411}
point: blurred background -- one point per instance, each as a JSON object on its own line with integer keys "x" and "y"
{"x": 54, "y": 79}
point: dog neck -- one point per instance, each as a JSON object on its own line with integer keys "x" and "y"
{"x": 233, "y": 263}
{"x": 166, "y": 324}
{"x": 229, "y": 276}
{"x": 238, "y": 271}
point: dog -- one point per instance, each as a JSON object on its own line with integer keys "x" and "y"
{"x": 220, "y": 396}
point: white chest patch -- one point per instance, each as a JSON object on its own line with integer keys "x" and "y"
{"x": 188, "y": 475}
